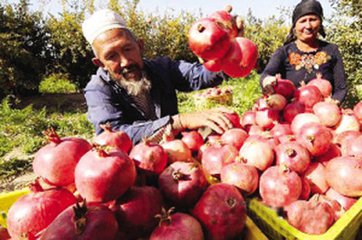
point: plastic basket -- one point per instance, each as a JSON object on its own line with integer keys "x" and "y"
{"x": 348, "y": 227}
{"x": 252, "y": 232}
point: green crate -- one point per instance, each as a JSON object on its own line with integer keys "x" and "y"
{"x": 348, "y": 227}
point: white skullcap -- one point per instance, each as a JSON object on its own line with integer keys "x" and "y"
{"x": 101, "y": 21}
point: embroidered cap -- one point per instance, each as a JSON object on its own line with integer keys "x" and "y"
{"x": 101, "y": 21}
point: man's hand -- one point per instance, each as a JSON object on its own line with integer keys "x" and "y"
{"x": 213, "y": 118}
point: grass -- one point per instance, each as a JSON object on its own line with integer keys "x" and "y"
{"x": 21, "y": 129}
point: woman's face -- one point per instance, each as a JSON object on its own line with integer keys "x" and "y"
{"x": 307, "y": 27}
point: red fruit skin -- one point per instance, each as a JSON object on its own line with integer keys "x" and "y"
{"x": 104, "y": 178}
{"x": 33, "y": 212}
{"x": 193, "y": 140}
{"x": 100, "y": 223}
{"x": 213, "y": 65}
{"x": 181, "y": 226}
{"x": 221, "y": 211}
{"x": 324, "y": 86}
{"x": 183, "y": 183}
{"x": 343, "y": 174}
{"x": 278, "y": 187}
{"x": 4, "y": 234}
{"x": 56, "y": 161}
{"x": 357, "y": 110}
{"x": 150, "y": 157}
{"x": 235, "y": 137}
{"x": 242, "y": 176}
{"x": 234, "y": 119}
{"x": 225, "y": 19}
{"x": 316, "y": 175}
{"x": 293, "y": 155}
{"x": 117, "y": 139}
{"x": 284, "y": 87}
{"x": 208, "y": 40}
{"x": 310, "y": 217}
{"x": 309, "y": 95}
{"x": 136, "y": 211}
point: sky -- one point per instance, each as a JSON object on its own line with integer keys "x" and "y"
{"x": 260, "y": 8}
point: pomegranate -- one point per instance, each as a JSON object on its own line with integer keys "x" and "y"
{"x": 315, "y": 137}
{"x": 344, "y": 140}
{"x": 117, "y": 139}
{"x": 355, "y": 147}
{"x": 226, "y": 20}
{"x": 280, "y": 130}
{"x": 56, "y": 161}
{"x": 276, "y": 101}
{"x": 345, "y": 202}
{"x": 248, "y": 119}
{"x": 349, "y": 122}
{"x": 93, "y": 221}
{"x": 216, "y": 156}
{"x": 293, "y": 155}
{"x": 293, "y": 109}
{"x": 266, "y": 118}
{"x": 308, "y": 94}
{"x": 177, "y": 226}
{"x": 183, "y": 183}
{"x": 213, "y": 65}
{"x": 310, "y": 217}
{"x": 279, "y": 186}
{"x": 33, "y": 212}
{"x": 102, "y": 176}
{"x": 242, "y": 176}
{"x": 241, "y": 57}
{"x": 193, "y": 140}
{"x": 343, "y": 174}
{"x": 136, "y": 210}
{"x": 177, "y": 150}
{"x": 316, "y": 175}
{"x": 208, "y": 40}
{"x": 234, "y": 119}
{"x": 357, "y": 110}
{"x": 324, "y": 86}
{"x": 305, "y": 189}
{"x": 328, "y": 113}
{"x": 258, "y": 152}
{"x": 301, "y": 119}
{"x": 221, "y": 211}
{"x": 234, "y": 137}
{"x": 149, "y": 156}
{"x": 284, "y": 87}
{"x": 332, "y": 152}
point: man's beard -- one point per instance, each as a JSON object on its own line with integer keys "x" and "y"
{"x": 134, "y": 87}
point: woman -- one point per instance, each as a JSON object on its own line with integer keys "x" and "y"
{"x": 303, "y": 54}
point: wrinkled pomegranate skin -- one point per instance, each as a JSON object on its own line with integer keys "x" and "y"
{"x": 100, "y": 224}
{"x": 221, "y": 211}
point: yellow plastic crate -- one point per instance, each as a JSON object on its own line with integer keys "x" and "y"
{"x": 252, "y": 232}
{"x": 348, "y": 227}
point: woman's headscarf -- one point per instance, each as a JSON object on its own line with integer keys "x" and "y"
{"x": 303, "y": 8}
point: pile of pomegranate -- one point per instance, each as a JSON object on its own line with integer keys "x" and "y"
{"x": 217, "y": 42}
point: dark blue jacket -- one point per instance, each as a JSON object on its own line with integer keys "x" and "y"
{"x": 107, "y": 102}
{"x": 299, "y": 66}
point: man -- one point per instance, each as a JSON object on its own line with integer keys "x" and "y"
{"x": 136, "y": 95}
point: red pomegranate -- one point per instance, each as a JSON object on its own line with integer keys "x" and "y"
{"x": 92, "y": 221}
{"x": 226, "y": 20}
{"x": 193, "y": 140}
{"x": 349, "y": 122}
{"x": 357, "y": 110}
{"x": 183, "y": 183}
{"x": 343, "y": 174}
{"x": 117, "y": 139}
{"x": 293, "y": 155}
{"x": 248, "y": 119}
{"x": 33, "y": 212}
{"x": 284, "y": 87}
{"x": 102, "y": 176}
{"x": 135, "y": 211}
{"x": 208, "y": 40}
{"x": 149, "y": 156}
{"x": 324, "y": 86}
{"x": 242, "y": 176}
{"x": 177, "y": 226}
{"x": 316, "y": 175}
{"x": 234, "y": 137}
{"x": 177, "y": 150}
{"x": 328, "y": 113}
{"x": 56, "y": 161}
{"x": 279, "y": 186}
{"x": 308, "y": 94}
{"x": 221, "y": 211}
{"x": 293, "y": 109}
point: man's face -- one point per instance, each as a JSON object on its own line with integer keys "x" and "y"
{"x": 120, "y": 54}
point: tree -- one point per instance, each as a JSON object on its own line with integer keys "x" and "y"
{"x": 346, "y": 32}
{"x": 22, "y": 49}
